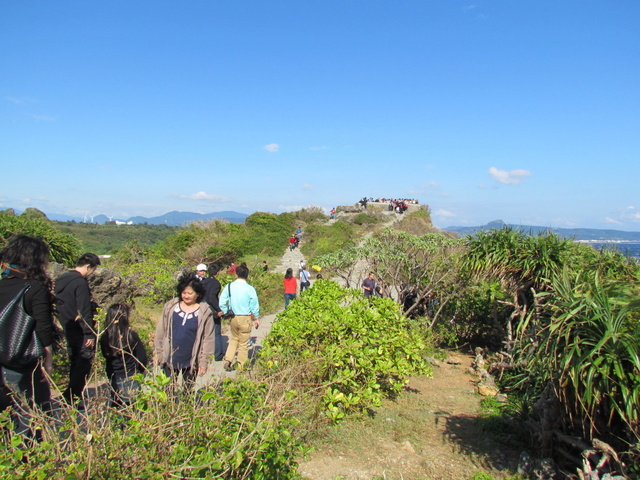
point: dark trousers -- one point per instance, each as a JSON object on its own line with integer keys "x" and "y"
{"x": 217, "y": 331}
{"x": 23, "y": 389}
{"x": 188, "y": 379}
{"x": 80, "y": 360}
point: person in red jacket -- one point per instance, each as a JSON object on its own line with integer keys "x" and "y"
{"x": 290, "y": 287}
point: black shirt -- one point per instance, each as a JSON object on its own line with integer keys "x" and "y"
{"x": 123, "y": 364}
{"x": 36, "y": 303}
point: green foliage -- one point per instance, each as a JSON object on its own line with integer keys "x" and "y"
{"x": 326, "y": 239}
{"x": 268, "y": 233}
{"x": 65, "y": 248}
{"x": 154, "y": 276}
{"x": 109, "y": 238}
{"x": 502, "y": 420}
{"x": 232, "y": 432}
{"x": 426, "y": 267}
{"x": 417, "y": 222}
{"x": 309, "y": 215}
{"x": 341, "y": 262}
{"x": 477, "y": 316}
{"x": 588, "y": 346}
{"x": 363, "y": 349}
{"x": 366, "y": 218}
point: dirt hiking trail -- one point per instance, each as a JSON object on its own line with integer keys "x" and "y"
{"x": 431, "y": 431}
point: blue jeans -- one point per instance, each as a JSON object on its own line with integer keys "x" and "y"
{"x": 23, "y": 389}
{"x": 123, "y": 391}
{"x": 287, "y": 298}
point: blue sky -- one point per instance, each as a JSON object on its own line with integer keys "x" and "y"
{"x": 525, "y": 111}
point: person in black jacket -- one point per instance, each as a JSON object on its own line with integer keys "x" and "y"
{"x": 75, "y": 312}
{"x": 212, "y": 289}
{"x": 124, "y": 354}
{"x": 24, "y": 261}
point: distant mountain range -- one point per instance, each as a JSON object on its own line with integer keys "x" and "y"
{"x": 173, "y": 219}
{"x": 585, "y": 234}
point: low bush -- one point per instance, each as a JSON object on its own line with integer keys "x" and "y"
{"x": 364, "y": 348}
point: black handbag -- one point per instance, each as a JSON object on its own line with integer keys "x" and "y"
{"x": 229, "y": 315}
{"x": 19, "y": 345}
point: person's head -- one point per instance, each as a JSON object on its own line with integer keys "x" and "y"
{"x": 319, "y": 276}
{"x": 372, "y": 275}
{"x": 201, "y": 270}
{"x": 288, "y": 273}
{"x": 87, "y": 264}
{"x": 28, "y": 255}
{"x": 190, "y": 290}
{"x": 242, "y": 272}
{"x": 117, "y": 333}
{"x": 243, "y": 264}
{"x": 214, "y": 268}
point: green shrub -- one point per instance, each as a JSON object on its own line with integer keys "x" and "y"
{"x": 587, "y": 345}
{"x": 325, "y": 239}
{"x": 240, "y": 430}
{"x": 364, "y": 349}
{"x": 64, "y": 248}
{"x": 155, "y": 278}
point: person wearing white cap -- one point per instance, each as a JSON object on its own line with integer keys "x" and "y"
{"x": 201, "y": 271}
{"x": 212, "y": 290}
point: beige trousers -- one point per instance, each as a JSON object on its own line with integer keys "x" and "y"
{"x": 241, "y": 326}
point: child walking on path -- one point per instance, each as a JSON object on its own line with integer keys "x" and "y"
{"x": 124, "y": 354}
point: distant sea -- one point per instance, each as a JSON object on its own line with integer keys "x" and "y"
{"x": 630, "y": 249}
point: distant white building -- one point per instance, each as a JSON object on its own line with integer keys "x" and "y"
{"x": 118, "y": 222}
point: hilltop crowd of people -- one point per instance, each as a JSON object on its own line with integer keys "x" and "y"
{"x": 399, "y": 205}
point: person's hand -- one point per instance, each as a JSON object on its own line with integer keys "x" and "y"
{"x": 220, "y": 313}
{"x": 47, "y": 362}
{"x": 89, "y": 342}
{"x": 202, "y": 371}
{"x": 256, "y": 323}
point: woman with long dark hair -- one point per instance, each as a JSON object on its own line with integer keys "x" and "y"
{"x": 290, "y": 287}
{"x": 124, "y": 354}
{"x": 24, "y": 263}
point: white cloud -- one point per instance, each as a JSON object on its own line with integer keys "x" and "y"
{"x": 631, "y": 213}
{"x": 272, "y": 147}
{"x": 514, "y": 177}
{"x": 444, "y": 213}
{"x": 306, "y": 186}
{"x": 612, "y": 220}
{"x": 203, "y": 196}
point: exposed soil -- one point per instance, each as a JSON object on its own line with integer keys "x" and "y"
{"x": 430, "y": 432}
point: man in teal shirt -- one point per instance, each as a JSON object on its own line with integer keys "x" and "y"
{"x": 242, "y": 299}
